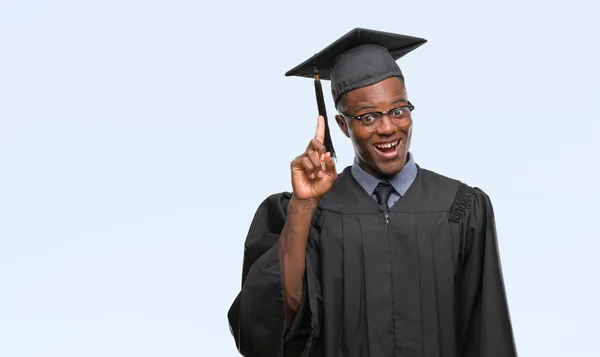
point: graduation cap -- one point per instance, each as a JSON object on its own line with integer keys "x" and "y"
{"x": 358, "y": 59}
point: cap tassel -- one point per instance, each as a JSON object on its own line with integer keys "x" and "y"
{"x": 322, "y": 111}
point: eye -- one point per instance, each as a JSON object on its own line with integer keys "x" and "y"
{"x": 398, "y": 112}
{"x": 368, "y": 118}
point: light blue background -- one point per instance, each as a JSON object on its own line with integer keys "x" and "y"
{"x": 137, "y": 139}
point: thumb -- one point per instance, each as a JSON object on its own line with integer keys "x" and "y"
{"x": 329, "y": 164}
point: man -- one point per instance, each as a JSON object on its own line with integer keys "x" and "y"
{"x": 383, "y": 259}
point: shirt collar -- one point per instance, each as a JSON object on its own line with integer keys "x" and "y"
{"x": 401, "y": 181}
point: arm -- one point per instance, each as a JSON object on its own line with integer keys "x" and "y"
{"x": 485, "y": 325}
{"x": 257, "y": 316}
{"x": 292, "y": 255}
{"x": 276, "y": 310}
{"x": 313, "y": 175}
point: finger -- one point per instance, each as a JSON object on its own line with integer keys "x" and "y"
{"x": 316, "y": 145}
{"x": 313, "y": 156}
{"x": 329, "y": 164}
{"x": 308, "y": 167}
{"x": 320, "y": 135}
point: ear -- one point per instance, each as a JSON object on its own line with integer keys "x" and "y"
{"x": 342, "y": 124}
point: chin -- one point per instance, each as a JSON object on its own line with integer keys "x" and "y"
{"x": 380, "y": 167}
{"x": 392, "y": 167}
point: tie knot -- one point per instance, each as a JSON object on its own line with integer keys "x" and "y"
{"x": 383, "y": 192}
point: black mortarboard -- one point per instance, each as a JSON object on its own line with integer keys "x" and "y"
{"x": 359, "y": 58}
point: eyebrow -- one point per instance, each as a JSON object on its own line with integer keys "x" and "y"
{"x": 399, "y": 100}
{"x": 362, "y": 107}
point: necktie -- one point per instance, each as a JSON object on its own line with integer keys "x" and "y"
{"x": 383, "y": 192}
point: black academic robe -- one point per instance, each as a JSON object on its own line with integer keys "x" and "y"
{"x": 427, "y": 284}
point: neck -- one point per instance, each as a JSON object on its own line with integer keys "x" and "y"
{"x": 377, "y": 174}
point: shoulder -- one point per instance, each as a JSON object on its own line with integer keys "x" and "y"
{"x": 270, "y": 215}
{"x": 277, "y": 201}
{"x": 437, "y": 179}
{"x": 466, "y": 197}
{"x": 272, "y": 212}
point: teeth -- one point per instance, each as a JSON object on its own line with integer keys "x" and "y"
{"x": 387, "y": 146}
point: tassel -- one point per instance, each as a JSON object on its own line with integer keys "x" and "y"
{"x": 322, "y": 111}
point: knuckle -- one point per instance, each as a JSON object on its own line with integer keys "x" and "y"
{"x": 297, "y": 161}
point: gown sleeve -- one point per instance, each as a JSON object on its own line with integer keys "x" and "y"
{"x": 257, "y": 315}
{"x": 485, "y": 327}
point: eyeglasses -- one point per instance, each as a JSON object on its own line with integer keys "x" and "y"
{"x": 372, "y": 121}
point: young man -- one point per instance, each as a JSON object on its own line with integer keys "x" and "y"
{"x": 383, "y": 259}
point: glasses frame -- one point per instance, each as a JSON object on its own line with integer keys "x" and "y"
{"x": 409, "y": 106}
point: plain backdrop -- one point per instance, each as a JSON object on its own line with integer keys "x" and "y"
{"x": 137, "y": 139}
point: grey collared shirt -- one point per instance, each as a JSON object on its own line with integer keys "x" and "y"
{"x": 401, "y": 181}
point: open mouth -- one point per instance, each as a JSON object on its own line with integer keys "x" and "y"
{"x": 389, "y": 149}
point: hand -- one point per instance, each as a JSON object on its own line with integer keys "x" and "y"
{"x": 313, "y": 172}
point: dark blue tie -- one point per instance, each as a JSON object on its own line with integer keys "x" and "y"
{"x": 383, "y": 192}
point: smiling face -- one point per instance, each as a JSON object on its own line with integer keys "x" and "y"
{"x": 381, "y": 153}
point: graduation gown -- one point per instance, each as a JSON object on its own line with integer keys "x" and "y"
{"x": 426, "y": 284}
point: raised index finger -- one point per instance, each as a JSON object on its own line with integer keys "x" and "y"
{"x": 320, "y": 135}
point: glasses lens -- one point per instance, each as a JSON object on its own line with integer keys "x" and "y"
{"x": 400, "y": 116}
{"x": 371, "y": 121}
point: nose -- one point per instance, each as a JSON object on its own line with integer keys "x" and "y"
{"x": 386, "y": 127}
